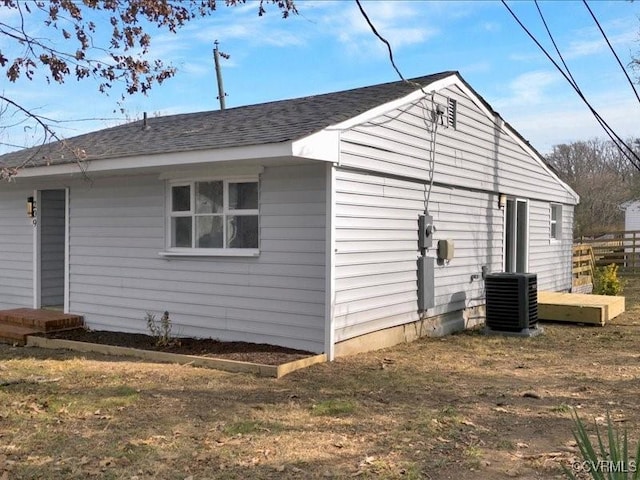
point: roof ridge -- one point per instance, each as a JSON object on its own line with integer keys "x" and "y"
{"x": 254, "y": 124}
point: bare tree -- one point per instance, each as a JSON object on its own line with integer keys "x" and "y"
{"x": 71, "y": 49}
{"x": 602, "y": 177}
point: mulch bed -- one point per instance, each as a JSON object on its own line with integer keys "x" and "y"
{"x": 204, "y": 347}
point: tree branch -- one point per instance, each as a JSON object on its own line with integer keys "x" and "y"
{"x": 7, "y": 173}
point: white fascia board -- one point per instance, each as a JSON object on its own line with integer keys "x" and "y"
{"x": 274, "y": 150}
{"x": 323, "y": 145}
{"x": 449, "y": 81}
{"x": 414, "y": 96}
{"x": 236, "y": 169}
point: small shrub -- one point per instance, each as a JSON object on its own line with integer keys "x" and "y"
{"x": 607, "y": 281}
{"x": 160, "y": 329}
{"x": 610, "y": 460}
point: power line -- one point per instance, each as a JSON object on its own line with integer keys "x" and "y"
{"x": 574, "y": 83}
{"x": 629, "y": 154}
{"x": 612, "y": 50}
{"x": 566, "y": 67}
{"x": 434, "y": 130}
{"x": 384, "y": 40}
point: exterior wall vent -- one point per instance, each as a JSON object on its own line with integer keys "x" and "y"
{"x": 452, "y": 113}
{"x": 512, "y": 304}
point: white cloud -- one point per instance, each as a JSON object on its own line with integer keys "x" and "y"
{"x": 198, "y": 69}
{"x": 8, "y": 14}
{"x": 490, "y": 27}
{"x": 250, "y": 28}
{"x": 528, "y": 89}
{"x": 557, "y": 122}
{"x": 395, "y": 21}
{"x": 598, "y": 45}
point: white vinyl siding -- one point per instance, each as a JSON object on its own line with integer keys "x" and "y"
{"x": 377, "y": 213}
{"x": 377, "y": 250}
{"x": 551, "y": 261}
{"x": 118, "y": 229}
{"x": 632, "y": 216}
{"x": 477, "y": 154}
{"x": 16, "y": 254}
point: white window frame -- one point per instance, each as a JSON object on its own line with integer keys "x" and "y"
{"x": 555, "y": 222}
{"x": 191, "y": 213}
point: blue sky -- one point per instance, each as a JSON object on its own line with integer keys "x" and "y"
{"x": 329, "y": 47}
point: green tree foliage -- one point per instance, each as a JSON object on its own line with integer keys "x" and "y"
{"x": 603, "y": 178}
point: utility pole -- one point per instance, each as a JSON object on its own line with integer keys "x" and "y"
{"x": 216, "y": 59}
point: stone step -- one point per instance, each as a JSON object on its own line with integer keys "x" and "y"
{"x": 15, "y": 334}
{"x": 40, "y": 320}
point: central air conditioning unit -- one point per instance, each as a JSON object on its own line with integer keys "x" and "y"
{"x": 512, "y": 304}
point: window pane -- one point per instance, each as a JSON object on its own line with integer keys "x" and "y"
{"x": 556, "y": 222}
{"x": 209, "y": 232}
{"x": 181, "y": 232}
{"x": 243, "y": 196}
{"x": 209, "y": 197}
{"x": 181, "y": 198}
{"x": 242, "y": 231}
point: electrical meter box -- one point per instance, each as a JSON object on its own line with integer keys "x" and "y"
{"x": 426, "y": 230}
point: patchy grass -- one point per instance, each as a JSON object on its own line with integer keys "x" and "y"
{"x": 246, "y": 427}
{"x": 440, "y": 408}
{"x": 334, "y": 407}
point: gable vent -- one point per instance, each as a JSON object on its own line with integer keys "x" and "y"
{"x": 452, "y": 112}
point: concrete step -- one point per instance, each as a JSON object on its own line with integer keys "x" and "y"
{"x": 40, "y": 320}
{"x": 15, "y": 334}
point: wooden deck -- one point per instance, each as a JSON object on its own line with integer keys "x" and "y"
{"x": 18, "y": 323}
{"x": 579, "y": 308}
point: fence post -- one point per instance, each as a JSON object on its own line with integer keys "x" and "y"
{"x": 633, "y": 253}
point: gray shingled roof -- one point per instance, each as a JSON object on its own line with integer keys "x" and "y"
{"x": 261, "y": 124}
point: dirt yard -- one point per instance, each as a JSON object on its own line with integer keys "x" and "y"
{"x": 466, "y": 406}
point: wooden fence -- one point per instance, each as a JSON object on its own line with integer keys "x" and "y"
{"x": 584, "y": 264}
{"x": 621, "y": 248}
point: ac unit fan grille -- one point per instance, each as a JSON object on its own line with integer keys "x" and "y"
{"x": 512, "y": 301}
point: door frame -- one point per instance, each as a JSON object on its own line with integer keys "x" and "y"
{"x": 37, "y": 250}
{"x": 511, "y": 223}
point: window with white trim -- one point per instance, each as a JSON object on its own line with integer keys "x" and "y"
{"x": 214, "y": 215}
{"x": 556, "y": 221}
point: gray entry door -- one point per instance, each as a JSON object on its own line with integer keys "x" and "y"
{"x": 51, "y": 221}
